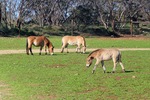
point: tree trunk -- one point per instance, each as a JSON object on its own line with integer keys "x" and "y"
{"x": 105, "y": 25}
{"x": 113, "y": 25}
{"x": 5, "y": 18}
{"x": 19, "y": 22}
{"x": 72, "y": 27}
{"x": 131, "y": 27}
{"x": 0, "y": 12}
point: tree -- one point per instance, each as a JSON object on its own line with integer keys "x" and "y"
{"x": 112, "y": 14}
{"x": 0, "y": 12}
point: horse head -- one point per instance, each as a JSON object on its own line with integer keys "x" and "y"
{"x": 89, "y": 61}
{"x": 51, "y": 49}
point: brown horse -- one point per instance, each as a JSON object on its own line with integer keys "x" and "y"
{"x": 74, "y": 40}
{"x": 39, "y": 41}
{"x": 102, "y": 55}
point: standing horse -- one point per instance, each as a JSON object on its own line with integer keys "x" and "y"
{"x": 37, "y": 41}
{"x": 102, "y": 55}
{"x": 74, "y": 40}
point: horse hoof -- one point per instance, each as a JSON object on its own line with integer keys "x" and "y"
{"x": 93, "y": 71}
{"x": 123, "y": 71}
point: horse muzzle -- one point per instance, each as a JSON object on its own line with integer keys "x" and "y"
{"x": 52, "y": 53}
{"x": 87, "y": 65}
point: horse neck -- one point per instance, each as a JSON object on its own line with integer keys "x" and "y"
{"x": 50, "y": 44}
{"x": 47, "y": 42}
{"x": 92, "y": 55}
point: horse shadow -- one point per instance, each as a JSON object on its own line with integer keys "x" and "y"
{"x": 127, "y": 71}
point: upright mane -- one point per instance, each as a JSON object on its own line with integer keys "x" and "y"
{"x": 93, "y": 52}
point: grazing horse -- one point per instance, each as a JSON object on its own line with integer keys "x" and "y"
{"x": 102, "y": 55}
{"x": 39, "y": 41}
{"x": 74, "y": 40}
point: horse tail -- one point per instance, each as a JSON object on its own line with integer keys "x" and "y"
{"x": 62, "y": 41}
{"x": 84, "y": 41}
{"x": 27, "y": 50}
{"x": 119, "y": 57}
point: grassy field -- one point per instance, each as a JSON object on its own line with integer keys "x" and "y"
{"x": 65, "y": 77}
{"x": 95, "y": 42}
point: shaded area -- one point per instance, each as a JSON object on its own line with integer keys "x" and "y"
{"x": 15, "y": 32}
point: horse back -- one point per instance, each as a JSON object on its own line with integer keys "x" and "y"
{"x": 110, "y": 54}
{"x": 74, "y": 40}
{"x": 36, "y": 40}
{"x": 105, "y": 54}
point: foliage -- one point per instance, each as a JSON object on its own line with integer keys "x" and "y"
{"x": 74, "y": 15}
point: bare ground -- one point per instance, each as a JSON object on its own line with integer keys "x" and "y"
{"x": 5, "y": 90}
{"x": 70, "y": 50}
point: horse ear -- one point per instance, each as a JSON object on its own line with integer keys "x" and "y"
{"x": 91, "y": 57}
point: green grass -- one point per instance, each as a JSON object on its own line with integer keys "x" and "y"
{"x": 20, "y": 43}
{"x": 65, "y": 77}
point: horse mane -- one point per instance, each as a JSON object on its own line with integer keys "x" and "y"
{"x": 49, "y": 42}
{"x": 93, "y": 52}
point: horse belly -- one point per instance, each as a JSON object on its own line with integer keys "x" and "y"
{"x": 72, "y": 42}
{"x": 36, "y": 43}
{"x": 106, "y": 57}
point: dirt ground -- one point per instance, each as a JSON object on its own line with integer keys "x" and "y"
{"x": 58, "y": 50}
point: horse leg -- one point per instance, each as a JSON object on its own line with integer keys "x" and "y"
{"x": 31, "y": 50}
{"x": 121, "y": 64}
{"x": 27, "y": 51}
{"x": 66, "y": 46}
{"x": 114, "y": 68}
{"x": 83, "y": 49}
{"x": 40, "y": 50}
{"x": 115, "y": 61}
{"x": 102, "y": 62}
{"x": 45, "y": 49}
{"x": 63, "y": 47}
{"x": 78, "y": 48}
{"x": 67, "y": 50}
{"x": 96, "y": 64}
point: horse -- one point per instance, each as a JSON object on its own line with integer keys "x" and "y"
{"x": 102, "y": 55}
{"x": 39, "y": 41}
{"x": 74, "y": 40}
